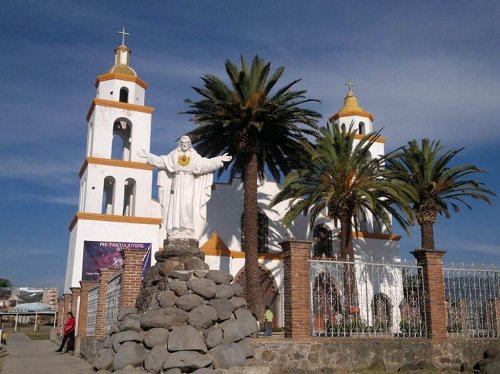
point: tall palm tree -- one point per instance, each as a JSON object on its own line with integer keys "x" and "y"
{"x": 429, "y": 185}
{"x": 260, "y": 127}
{"x": 340, "y": 180}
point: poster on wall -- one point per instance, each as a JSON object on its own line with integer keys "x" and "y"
{"x": 100, "y": 255}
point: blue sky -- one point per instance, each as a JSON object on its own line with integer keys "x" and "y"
{"x": 423, "y": 68}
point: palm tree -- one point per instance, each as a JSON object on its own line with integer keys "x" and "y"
{"x": 340, "y": 180}
{"x": 260, "y": 129}
{"x": 429, "y": 185}
{"x": 5, "y": 283}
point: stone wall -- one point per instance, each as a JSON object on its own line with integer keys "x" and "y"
{"x": 89, "y": 346}
{"x": 362, "y": 353}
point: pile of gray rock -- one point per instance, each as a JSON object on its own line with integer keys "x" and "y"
{"x": 490, "y": 364}
{"x": 188, "y": 320}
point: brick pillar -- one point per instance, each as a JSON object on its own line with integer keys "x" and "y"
{"x": 131, "y": 276}
{"x": 75, "y": 302}
{"x": 435, "y": 308}
{"x": 75, "y": 295}
{"x": 493, "y": 316}
{"x": 85, "y": 286}
{"x": 60, "y": 316}
{"x": 100, "y": 324}
{"x": 296, "y": 289}
{"x": 67, "y": 304}
{"x": 496, "y": 316}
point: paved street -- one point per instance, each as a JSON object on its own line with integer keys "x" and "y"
{"x": 37, "y": 356}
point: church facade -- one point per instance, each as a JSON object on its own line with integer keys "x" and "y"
{"x": 116, "y": 209}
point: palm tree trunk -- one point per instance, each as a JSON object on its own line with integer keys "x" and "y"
{"x": 427, "y": 235}
{"x": 250, "y": 231}
{"x": 347, "y": 252}
{"x": 346, "y": 247}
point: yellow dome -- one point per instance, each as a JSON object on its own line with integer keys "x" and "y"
{"x": 122, "y": 60}
{"x": 351, "y": 108}
{"x": 122, "y": 69}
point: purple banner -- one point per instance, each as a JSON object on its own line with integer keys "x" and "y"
{"x": 100, "y": 255}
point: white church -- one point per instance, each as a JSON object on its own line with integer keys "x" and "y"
{"x": 116, "y": 208}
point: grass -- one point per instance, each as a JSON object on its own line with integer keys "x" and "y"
{"x": 38, "y": 335}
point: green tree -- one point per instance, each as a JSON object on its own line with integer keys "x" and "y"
{"x": 340, "y": 180}
{"x": 429, "y": 185}
{"x": 5, "y": 283}
{"x": 263, "y": 128}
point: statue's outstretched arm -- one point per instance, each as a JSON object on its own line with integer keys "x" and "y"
{"x": 152, "y": 159}
{"x": 226, "y": 158}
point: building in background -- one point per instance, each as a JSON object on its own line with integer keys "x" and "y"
{"x": 50, "y": 297}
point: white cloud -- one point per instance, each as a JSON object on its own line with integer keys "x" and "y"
{"x": 41, "y": 171}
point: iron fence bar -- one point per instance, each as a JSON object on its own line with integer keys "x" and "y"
{"x": 351, "y": 298}
{"x": 472, "y": 301}
{"x": 93, "y": 296}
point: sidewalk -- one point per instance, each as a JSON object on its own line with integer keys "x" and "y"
{"x": 37, "y": 356}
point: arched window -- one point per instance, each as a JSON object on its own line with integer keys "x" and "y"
{"x": 362, "y": 220}
{"x": 124, "y": 95}
{"x": 90, "y": 139}
{"x": 322, "y": 241}
{"x": 268, "y": 288}
{"x": 122, "y": 132}
{"x": 129, "y": 198}
{"x": 361, "y": 128}
{"x": 108, "y": 193}
{"x": 262, "y": 232}
{"x": 382, "y": 312}
{"x": 83, "y": 186}
{"x": 342, "y": 127}
{"x": 327, "y": 305}
{"x": 377, "y": 225}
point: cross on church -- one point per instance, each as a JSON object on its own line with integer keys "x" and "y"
{"x": 123, "y": 35}
{"x": 349, "y": 83}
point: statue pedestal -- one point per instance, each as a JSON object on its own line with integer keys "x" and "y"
{"x": 179, "y": 249}
{"x": 179, "y": 255}
{"x": 179, "y": 259}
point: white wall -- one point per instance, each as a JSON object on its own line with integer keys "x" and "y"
{"x": 92, "y": 230}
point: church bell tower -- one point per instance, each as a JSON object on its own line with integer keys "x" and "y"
{"x": 115, "y": 209}
{"x": 351, "y": 113}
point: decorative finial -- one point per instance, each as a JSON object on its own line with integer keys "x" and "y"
{"x": 123, "y": 34}
{"x": 349, "y": 83}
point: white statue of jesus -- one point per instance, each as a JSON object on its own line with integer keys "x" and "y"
{"x": 185, "y": 186}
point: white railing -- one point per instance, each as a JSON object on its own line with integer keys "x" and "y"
{"x": 366, "y": 299}
{"x": 113, "y": 301}
{"x": 93, "y": 297}
{"x": 472, "y": 301}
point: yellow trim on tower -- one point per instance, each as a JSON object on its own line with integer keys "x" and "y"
{"x": 113, "y": 218}
{"x": 215, "y": 246}
{"x": 361, "y": 136}
{"x": 119, "y": 105}
{"x": 122, "y": 77}
{"x": 117, "y": 163}
{"x": 239, "y": 254}
{"x": 373, "y": 235}
{"x": 351, "y": 113}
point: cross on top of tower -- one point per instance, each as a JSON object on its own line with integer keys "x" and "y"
{"x": 349, "y": 83}
{"x": 123, "y": 32}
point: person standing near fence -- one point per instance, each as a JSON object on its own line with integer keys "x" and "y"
{"x": 69, "y": 334}
{"x": 268, "y": 321}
